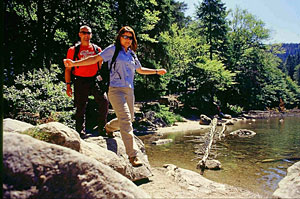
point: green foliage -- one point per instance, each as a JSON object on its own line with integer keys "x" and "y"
{"x": 234, "y": 109}
{"x": 297, "y": 74}
{"x": 209, "y": 57}
{"x": 288, "y": 49}
{"x": 214, "y": 76}
{"x": 212, "y": 80}
{"x": 182, "y": 49}
{"x": 290, "y": 64}
{"x": 38, "y": 97}
{"x": 212, "y": 24}
{"x": 38, "y": 134}
{"x": 178, "y": 44}
{"x": 247, "y": 29}
{"x": 163, "y": 112}
{"x": 169, "y": 117}
{"x": 260, "y": 84}
{"x": 246, "y": 32}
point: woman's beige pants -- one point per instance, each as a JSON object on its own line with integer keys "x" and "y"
{"x": 122, "y": 101}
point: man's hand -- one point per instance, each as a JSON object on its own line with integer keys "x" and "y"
{"x": 69, "y": 90}
{"x": 68, "y": 63}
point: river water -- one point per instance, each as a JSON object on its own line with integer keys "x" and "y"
{"x": 257, "y": 163}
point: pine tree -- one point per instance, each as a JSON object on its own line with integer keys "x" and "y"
{"x": 290, "y": 64}
{"x": 297, "y": 74}
{"x": 212, "y": 19}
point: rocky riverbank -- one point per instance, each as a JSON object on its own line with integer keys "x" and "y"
{"x": 96, "y": 167}
{"x": 258, "y": 114}
{"x": 173, "y": 182}
{"x": 289, "y": 187}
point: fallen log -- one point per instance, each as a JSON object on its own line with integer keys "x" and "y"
{"x": 201, "y": 163}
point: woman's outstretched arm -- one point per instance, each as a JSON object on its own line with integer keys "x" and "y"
{"x": 149, "y": 71}
{"x": 83, "y": 62}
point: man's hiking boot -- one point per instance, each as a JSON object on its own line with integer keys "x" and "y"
{"x": 104, "y": 133}
{"x": 82, "y": 134}
{"x": 109, "y": 134}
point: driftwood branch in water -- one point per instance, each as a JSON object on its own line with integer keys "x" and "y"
{"x": 221, "y": 133}
{"x": 281, "y": 159}
{"x": 201, "y": 163}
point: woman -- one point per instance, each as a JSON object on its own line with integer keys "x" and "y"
{"x": 121, "y": 93}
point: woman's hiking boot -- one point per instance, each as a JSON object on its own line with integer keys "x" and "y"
{"x": 135, "y": 161}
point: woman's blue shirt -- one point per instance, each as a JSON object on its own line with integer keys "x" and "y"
{"x": 123, "y": 70}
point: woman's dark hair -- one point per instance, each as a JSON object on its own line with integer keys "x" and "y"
{"x": 121, "y": 32}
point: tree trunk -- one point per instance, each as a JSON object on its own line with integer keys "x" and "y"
{"x": 40, "y": 34}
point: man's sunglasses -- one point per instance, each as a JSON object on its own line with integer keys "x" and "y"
{"x": 127, "y": 37}
{"x": 83, "y": 32}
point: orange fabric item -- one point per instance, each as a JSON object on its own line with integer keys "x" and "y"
{"x": 85, "y": 51}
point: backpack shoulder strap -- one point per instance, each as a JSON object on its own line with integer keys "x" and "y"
{"x": 116, "y": 53}
{"x": 77, "y": 48}
{"x": 96, "y": 51}
{"x": 133, "y": 55}
{"x": 95, "y": 48}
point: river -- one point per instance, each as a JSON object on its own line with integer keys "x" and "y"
{"x": 257, "y": 163}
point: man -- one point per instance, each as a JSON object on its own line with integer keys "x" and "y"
{"x": 84, "y": 82}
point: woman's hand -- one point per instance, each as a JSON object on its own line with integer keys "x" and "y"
{"x": 68, "y": 63}
{"x": 161, "y": 71}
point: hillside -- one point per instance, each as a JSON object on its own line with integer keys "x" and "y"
{"x": 290, "y": 49}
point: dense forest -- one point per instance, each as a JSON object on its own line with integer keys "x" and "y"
{"x": 289, "y": 50}
{"x": 219, "y": 56}
{"x": 290, "y": 64}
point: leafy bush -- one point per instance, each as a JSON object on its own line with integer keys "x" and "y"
{"x": 169, "y": 117}
{"x": 163, "y": 112}
{"x": 235, "y": 109}
{"x": 39, "y": 97}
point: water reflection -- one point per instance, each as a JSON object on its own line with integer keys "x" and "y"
{"x": 256, "y": 163}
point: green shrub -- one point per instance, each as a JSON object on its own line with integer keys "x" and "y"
{"x": 164, "y": 113}
{"x": 39, "y": 97}
{"x": 38, "y": 134}
{"x": 235, "y": 109}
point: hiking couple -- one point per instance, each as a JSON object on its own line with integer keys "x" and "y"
{"x": 121, "y": 88}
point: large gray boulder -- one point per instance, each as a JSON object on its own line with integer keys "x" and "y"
{"x": 11, "y": 125}
{"x": 36, "y": 169}
{"x": 109, "y": 151}
{"x": 289, "y": 186}
{"x": 60, "y": 134}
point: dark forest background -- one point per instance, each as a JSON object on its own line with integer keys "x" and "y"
{"x": 220, "y": 56}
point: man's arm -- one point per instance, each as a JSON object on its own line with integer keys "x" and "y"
{"x": 68, "y": 81}
{"x": 68, "y": 71}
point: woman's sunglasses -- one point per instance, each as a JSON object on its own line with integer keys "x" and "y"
{"x": 127, "y": 37}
